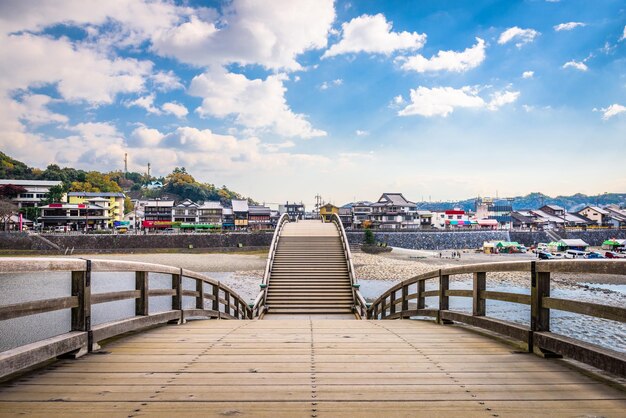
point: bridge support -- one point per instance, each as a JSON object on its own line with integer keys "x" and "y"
{"x": 444, "y": 299}
{"x": 539, "y": 315}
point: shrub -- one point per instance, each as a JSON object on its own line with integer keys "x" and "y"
{"x": 369, "y": 237}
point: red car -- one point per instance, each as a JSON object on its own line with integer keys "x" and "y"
{"x": 613, "y": 254}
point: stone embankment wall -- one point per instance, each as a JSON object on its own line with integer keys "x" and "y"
{"x": 595, "y": 238}
{"x": 128, "y": 243}
{"x": 529, "y": 238}
{"x": 432, "y": 240}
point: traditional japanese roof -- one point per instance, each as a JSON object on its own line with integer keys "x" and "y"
{"x": 240, "y": 206}
{"x": 160, "y": 203}
{"x": 96, "y": 194}
{"x": 211, "y": 205}
{"x": 393, "y": 199}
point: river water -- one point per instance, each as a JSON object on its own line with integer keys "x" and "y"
{"x": 16, "y": 288}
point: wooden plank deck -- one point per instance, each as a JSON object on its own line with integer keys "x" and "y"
{"x": 309, "y": 368}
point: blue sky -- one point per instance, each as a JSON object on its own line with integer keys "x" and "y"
{"x": 288, "y": 98}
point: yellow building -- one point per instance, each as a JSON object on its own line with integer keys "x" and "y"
{"x": 326, "y": 212}
{"x": 112, "y": 202}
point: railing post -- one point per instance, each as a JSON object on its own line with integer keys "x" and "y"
{"x": 142, "y": 306}
{"x": 392, "y": 303}
{"x": 177, "y": 298}
{"x": 405, "y": 300}
{"x": 200, "y": 297}
{"x": 81, "y": 315}
{"x": 421, "y": 300}
{"x": 226, "y": 302}
{"x": 444, "y": 300}
{"x": 539, "y": 316}
{"x": 216, "y": 299}
{"x": 383, "y": 308}
{"x": 479, "y": 307}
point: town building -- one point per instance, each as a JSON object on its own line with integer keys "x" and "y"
{"x": 393, "y": 211}
{"x": 228, "y": 218}
{"x": 424, "y": 218}
{"x": 113, "y": 202}
{"x": 186, "y": 211}
{"x": 326, "y": 212}
{"x": 456, "y": 218}
{"x": 259, "y": 217}
{"x": 73, "y": 216}
{"x": 617, "y": 216}
{"x": 361, "y": 213}
{"x": 158, "y": 214}
{"x": 36, "y": 191}
{"x": 554, "y": 216}
{"x": 210, "y": 213}
{"x": 498, "y": 209}
{"x": 294, "y": 210}
{"x": 346, "y": 216}
{"x": 598, "y": 215}
{"x": 240, "y": 213}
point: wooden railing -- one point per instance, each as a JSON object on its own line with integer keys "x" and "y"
{"x": 258, "y": 307}
{"x": 360, "y": 306}
{"x": 407, "y": 299}
{"x": 212, "y": 300}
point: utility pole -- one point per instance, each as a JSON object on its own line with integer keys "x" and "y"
{"x": 125, "y": 165}
{"x": 148, "y": 170}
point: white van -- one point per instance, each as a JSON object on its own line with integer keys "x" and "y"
{"x": 574, "y": 254}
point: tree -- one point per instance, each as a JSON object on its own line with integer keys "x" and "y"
{"x": 128, "y": 205}
{"x": 9, "y": 191}
{"x": 369, "y": 238}
{"x": 7, "y": 209}
{"x": 55, "y": 194}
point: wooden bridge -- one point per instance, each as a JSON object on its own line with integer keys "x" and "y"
{"x": 459, "y": 364}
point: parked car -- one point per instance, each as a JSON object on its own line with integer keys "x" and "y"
{"x": 544, "y": 255}
{"x": 594, "y": 254}
{"x": 574, "y": 254}
{"x": 613, "y": 254}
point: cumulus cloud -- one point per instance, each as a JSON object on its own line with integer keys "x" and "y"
{"x": 361, "y": 133}
{"x": 374, "y": 35}
{"x": 34, "y": 109}
{"x": 581, "y": 66}
{"x": 175, "y": 109}
{"x": 528, "y": 74}
{"x": 145, "y": 102}
{"x": 568, "y": 26}
{"x": 257, "y": 104}
{"x": 623, "y": 35}
{"x": 521, "y": 36}
{"x": 447, "y": 60}
{"x": 271, "y": 34}
{"x": 613, "y": 110}
{"x": 441, "y": 101}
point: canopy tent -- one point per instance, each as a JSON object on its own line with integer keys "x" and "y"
{"x": 611, "y": 244}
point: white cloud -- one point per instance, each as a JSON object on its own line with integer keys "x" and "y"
{"x": 34, "y": 110}
{"x": 613, "y": 110}
{"x": 327, "y": 84}
{"x": 528, "y": 74}
{"x": 374, "y": 35}
{"x": 581, "y": 66}
{"x": 256, "y": 104}
{"x": 166, "y": 81}
{"x": 522, "y": 36}
{"x": 448, "y": 60}
{"x": 146, "y": 102}
{"x": 145, "y": 137}
{"x": 623, "y": 35}
{"x": 175, "y": 109}
{"x": 361, "y": 133}
{"x": 271, "y": 34}
{"x": 398, "y": 100}
{"x": 568, "y": 26}
{"x": 441, "y": 101}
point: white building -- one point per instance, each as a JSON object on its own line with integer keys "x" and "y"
{"x": 36, "y": 191}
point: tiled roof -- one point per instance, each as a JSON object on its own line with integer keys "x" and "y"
{"x": 240, "y": 205}
{"x": 96, "y": 194}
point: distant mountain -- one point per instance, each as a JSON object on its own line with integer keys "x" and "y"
{"x": 536, "y": 200}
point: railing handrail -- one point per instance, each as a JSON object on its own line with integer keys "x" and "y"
{"x": 83, "y": 336}
{"x": 356, "y": 294}
{"x": 536, "y": 335}
{"x": 261, "y": 297}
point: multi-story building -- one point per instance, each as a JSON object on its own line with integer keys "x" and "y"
{"x": 115, "y": 206}
{"x": 73, "y": 216}
{"x": 500, "y": 210}
{"x": 259, "y": 217}
{"x": 158, "y": 214}
{"x": 345, "y": 214}
{"x": 228, "y": 218}
{"x": 361, "y": 212}
{"x": 240, "y": 213}
{"x": 186, "y": 211}
{"x": 210, "y": 213}
{"x": 326, "y": 212}
{"x": 456, "y": 218}
{"x": 36, "y": 191}
{"x": 394, "y": 211}
{"x": 425, "y": 218}
{"x": 598, "y": 215}
{"x": 294, "y": 210}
